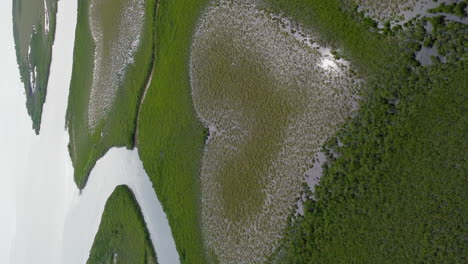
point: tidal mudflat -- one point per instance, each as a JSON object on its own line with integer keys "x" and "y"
{"x": 402, "y": 11}
{"x": 270, "y": 97}
{"x": 385, "y": 10}
{"x": 116, "y": 28}
{"x": 113, "y": 58}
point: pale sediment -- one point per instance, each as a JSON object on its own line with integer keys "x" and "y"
{"x": 399, "y": 12}
{"x": 385, "y": 10}
{"x": 46, "y": 18}
{"x": 32, "y": 68}
{"x": 311, "y": 95}
{"x": 112, "y": 55}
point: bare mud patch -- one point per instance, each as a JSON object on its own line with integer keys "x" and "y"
{"x": 270, "y": 98}
{"x": 385, "y": 10}
{"x": 116, "y": 32}
{"x": 401, "y": 11}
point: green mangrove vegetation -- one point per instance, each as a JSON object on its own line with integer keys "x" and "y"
{"x": 171, "y": 138}
{"x": 393, "y": 188}
{"x": 34, "y": 32}
{"x": 395, "y": 195}
{"x": 122, "y": 236}
{"x": 458, "y": 9}
{"x": 227, "y": 102}
{"x": 113, "y": 57}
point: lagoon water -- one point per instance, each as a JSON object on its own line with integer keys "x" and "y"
{"x": 44, "y": 218}
{"x": 118, "y": 166}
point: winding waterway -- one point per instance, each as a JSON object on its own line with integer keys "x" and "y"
{"x": 52, "y": 221}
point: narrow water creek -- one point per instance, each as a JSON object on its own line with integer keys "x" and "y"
{"x": 422, "y": 8}
{"x": 54, "y": 222}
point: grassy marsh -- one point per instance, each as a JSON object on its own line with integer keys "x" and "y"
{"x": 170, "y": 137}
{"x": 122, "y": 236}
{"x": 34, "y": 32}
{"x": 116, "y": 33}
{"x": 110, "y": 69}
{"x": 270, "y": 103}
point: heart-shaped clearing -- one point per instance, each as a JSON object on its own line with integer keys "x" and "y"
{"x": 270, "y": 100}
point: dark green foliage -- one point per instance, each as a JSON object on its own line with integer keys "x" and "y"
{"x": 396, "y": 191}
{"x": 436, "y": 21}
{"x": 428, "y": 42}
{"x": 454, "y": 8}
{"x": 369, "y": 22}
{"x": 451, "y": 41}
{"x": 396, "y": 194}
{"x": 335, "y": 54}
{"x": 122, "y": 233}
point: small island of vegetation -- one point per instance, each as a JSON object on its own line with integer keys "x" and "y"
{"x": 34, "y": 33}
{"x": 122, "y": 236}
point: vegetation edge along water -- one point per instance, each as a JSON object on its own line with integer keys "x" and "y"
{"x": 41, "y": 57}
{"x": 118, "y": 128}
{"x": 178, "y": 192}
{"x": 122, "y": 235}
{"x": 171, "y": 138}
